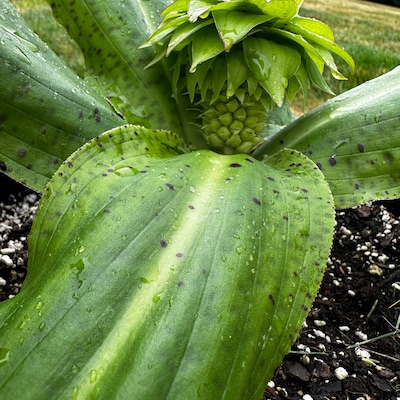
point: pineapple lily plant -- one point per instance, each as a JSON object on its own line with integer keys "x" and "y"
{"x": 186, "y": 215}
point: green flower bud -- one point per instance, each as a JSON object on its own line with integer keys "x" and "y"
{"x": 226, "y": 119}
{"x": 216, "y": 142}
{"x": 236, "y": 127}
{"x": 233, "y": 105}
{"x": 240, "y": 115}
{"x": 224, "y": 133}
{"x": 234, "y": 141}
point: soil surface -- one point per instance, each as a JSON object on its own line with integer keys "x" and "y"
{"x": 349, "y": 347}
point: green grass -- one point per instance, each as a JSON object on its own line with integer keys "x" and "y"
{"x": 369, "y": 31}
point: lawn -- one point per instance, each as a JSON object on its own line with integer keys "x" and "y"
{"x": 369, "y": 31}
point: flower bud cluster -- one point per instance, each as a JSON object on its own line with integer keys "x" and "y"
{"x": 233, "y": 126}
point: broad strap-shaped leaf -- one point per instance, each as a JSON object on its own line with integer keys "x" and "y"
{"x": 46, "y": 111}
{"x": 354, "y": 138}
{"x": 109, "y": 33}
{"x": 204, "y": 266}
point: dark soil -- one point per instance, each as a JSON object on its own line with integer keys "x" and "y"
{"x": 355, "y": 320}
{"x": 349, "y": 347}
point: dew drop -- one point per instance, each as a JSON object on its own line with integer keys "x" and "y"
{"x": 4, "y": 355}
{"x": 39, "y": 305}
{"x": 126, "y": 172}
{"x": 75, "y": 369}
{"x": 93, "y": 376}
{"x": 240, "y": 249}
{"x": 156, "y": 298}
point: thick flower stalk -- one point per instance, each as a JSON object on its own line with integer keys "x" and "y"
{"x": 239, "y": 59}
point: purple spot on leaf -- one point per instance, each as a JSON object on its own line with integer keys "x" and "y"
{"x": 22, "y": 152}
{"x": 271, "y": 298}
{"x": 163, "y": 243}
{"x": 332, "y": 161}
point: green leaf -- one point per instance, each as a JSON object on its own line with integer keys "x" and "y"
{"x": 272, "y": 64}
{"x": 46, "y": 111}
{"x": 198, "y": 9}
{"x": 355, "y": 140}
{"x": 319, "y": 33}
{"x": 184, "y": 32}
{"x": 281, "y": 11}
{"x": 330, "y": 62}
{"x": 237, "y": 71}
{"x": 109, "y": 33}
{"x": 285, "y": 10}
{"x": 316, "y": 77}
{"x": 233, "y": 26}
{"x": 219, "y": 77}
{"x": 182, "y": 254}
{"x": 166, "y": 28}
{"x": 205, "y": 46}
{"x": 309, "y": 50}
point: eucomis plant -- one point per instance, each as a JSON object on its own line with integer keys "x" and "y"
{"x": 186, "y": 215}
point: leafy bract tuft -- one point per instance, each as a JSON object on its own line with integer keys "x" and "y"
{"x": 278, "y": 50}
